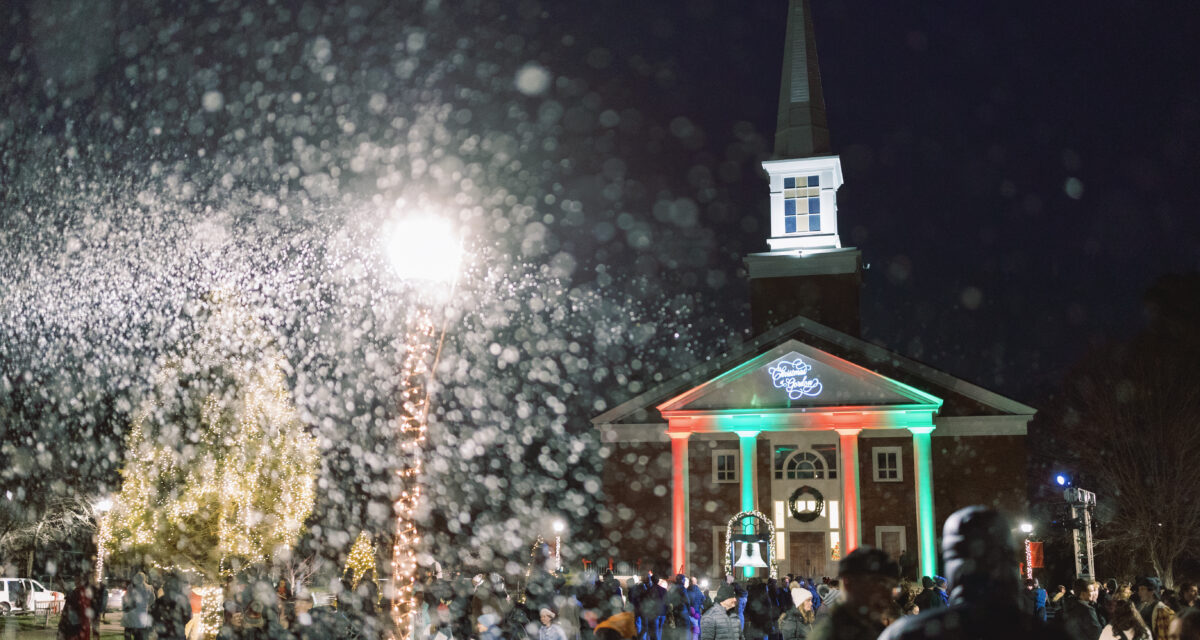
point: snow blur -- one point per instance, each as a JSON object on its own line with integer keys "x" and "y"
{"x": 149, "y": 157}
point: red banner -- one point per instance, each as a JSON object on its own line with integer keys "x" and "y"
{"x": 1035, "y": 555}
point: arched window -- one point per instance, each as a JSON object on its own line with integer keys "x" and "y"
{"x": 804, "y": 466}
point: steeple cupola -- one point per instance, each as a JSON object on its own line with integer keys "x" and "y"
{"x": 807, "y": 271}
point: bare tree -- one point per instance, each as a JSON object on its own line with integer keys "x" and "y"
{"x": 62, "y": 517}
{"x": 1131, "y": 423}
{"x": 297, "y": 569}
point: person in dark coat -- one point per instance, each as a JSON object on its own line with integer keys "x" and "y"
{"x": 758, "y": 610}
{"x": 678, "y": 620}
{"x": 868, "y": 576}
{"x": 171, "y": 611}
{"x": 76, "y": 621}
{"x": 613, "y": 595}
{"x": 720, "y": 622}
{"x": 700, "y": 603}
{"x": 929, "y": 598}
{"x": 1079, "y": 618}
{"x": 650, "y": 608}
{"x": 796, "y": 623}
{"x": 978, "y": 552}
{"x": 99, "y": 602}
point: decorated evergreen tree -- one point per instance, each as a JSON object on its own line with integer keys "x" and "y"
{"x": 219, "y": 472}
{"x": 361, "y": 558}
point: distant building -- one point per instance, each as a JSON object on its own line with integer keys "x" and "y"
{"x": 838, "y": 441}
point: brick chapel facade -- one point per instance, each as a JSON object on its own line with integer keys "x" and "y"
{"x": 837, "y": 441}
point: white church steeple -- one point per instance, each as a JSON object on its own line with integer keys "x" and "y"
{"x": 807, "y": 271}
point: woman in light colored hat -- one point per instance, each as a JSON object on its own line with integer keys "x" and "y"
{"x": 796, "y": 623}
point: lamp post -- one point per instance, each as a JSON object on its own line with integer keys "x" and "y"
{"x": 1027, "y": 529}
{"x": 558, "y": 529}
{"x": 103, "y": 532}
{"x": 425, "y": 253}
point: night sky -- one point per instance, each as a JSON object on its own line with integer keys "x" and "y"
{"x": 1016, "y": 173}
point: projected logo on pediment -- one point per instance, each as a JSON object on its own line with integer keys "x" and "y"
{"x": 795, "y": 377}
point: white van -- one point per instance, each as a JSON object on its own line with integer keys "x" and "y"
{"x": 35, "y": 595}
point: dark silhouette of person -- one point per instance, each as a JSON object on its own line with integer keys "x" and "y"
{"x": 981, "y": 562}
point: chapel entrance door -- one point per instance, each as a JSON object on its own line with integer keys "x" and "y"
{"x": 807, "y": 552}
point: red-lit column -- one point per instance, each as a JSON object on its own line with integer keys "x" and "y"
{"x": 680, "y": 523}
{"x": 851, "y": 510}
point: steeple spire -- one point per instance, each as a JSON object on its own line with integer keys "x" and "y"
{"x": 802, "y": 130}
{"x": 807, "y": 271}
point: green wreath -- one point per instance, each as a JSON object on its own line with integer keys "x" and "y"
{"x": 806, "y": 516}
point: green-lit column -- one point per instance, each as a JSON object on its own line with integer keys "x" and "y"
{"x": 926, "y": 538}
{"x": 748, "y": 450}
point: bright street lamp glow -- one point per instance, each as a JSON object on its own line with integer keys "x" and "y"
{"x": 558, "y": 526}
{"x": 423, "y": 247}
{"x": 1026, "y": 527}
{"x": 1060, "y": 479}
{"x": 104, "y": 505}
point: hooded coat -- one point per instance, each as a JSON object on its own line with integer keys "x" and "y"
{"x": 978, "y": 551}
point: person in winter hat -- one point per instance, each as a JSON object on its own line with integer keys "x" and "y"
{"x": 720, "y": 622}
{"x": 980, "y": 556}
{"x": 1157, "y": 615}
{"x": 796, "y": 622}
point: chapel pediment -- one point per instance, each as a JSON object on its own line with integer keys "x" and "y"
{"x": 794, "y": 375}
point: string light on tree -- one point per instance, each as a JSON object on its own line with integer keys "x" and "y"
{"x": 219, "y": 471}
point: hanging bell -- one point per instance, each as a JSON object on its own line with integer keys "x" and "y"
{"x": 750, "y": 555}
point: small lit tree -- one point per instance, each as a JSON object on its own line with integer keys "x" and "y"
{"x": 219, "y": 471}
{"x": 361, "y": 559}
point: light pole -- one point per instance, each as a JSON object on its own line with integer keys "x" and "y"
{"x": 558, "y": 529}
{"x": 1027, "y": 529}
{"x": 425, "y": 254}
{"x": 103, "y": 532}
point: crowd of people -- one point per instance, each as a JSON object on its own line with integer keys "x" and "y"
{"x": 1141, "y": 610}
{"x": 980, "y": 598}
{"x": 253, "y": 608}
{"x": 164, "y": 610}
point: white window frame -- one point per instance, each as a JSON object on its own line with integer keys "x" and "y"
{"x": 819, "y": 470}
{"x": 903, "y": 531}
{"x": 737, "y": 471}
{"x": 899, "y": 451}
{"x": 717, "y": 577}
